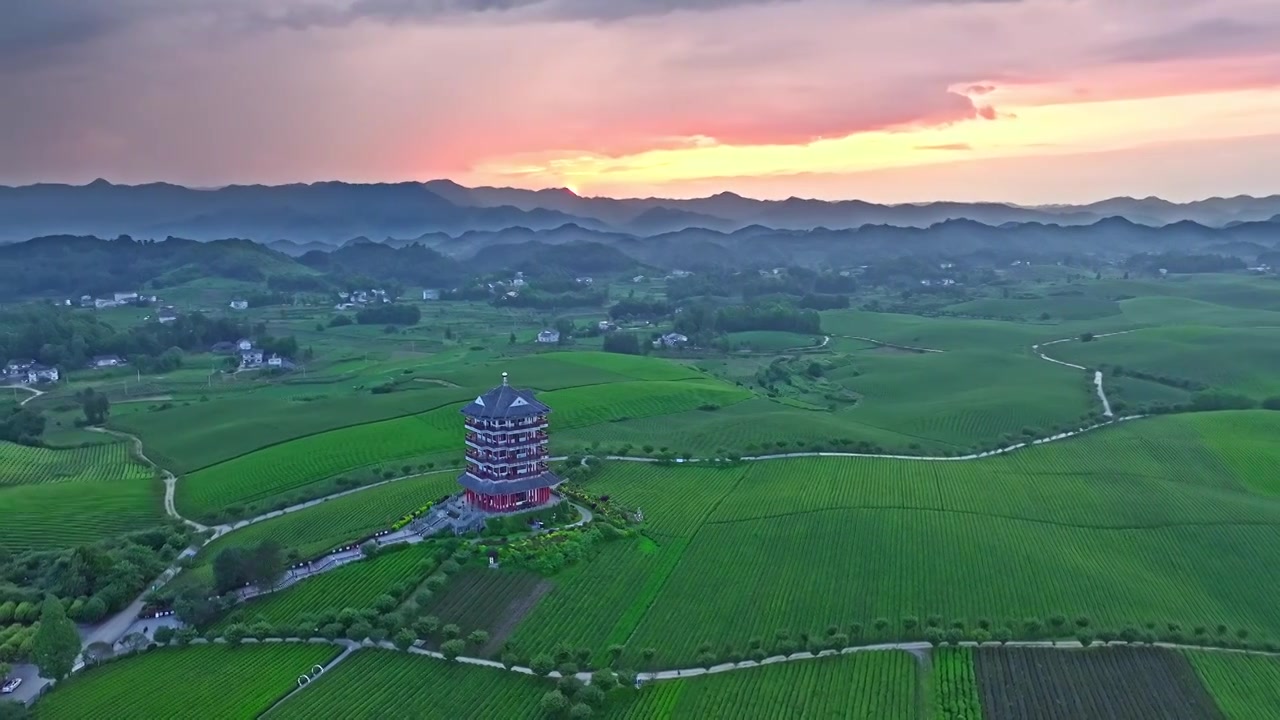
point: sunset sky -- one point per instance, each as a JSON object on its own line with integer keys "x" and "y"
{"x": 1029, "y": 101}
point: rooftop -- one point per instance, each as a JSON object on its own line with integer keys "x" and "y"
{"x": 504, "y": 402}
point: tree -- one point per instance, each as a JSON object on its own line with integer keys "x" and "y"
{"x": 542, "y": 664}
{"x": 404, "y": 639}
{"x": 369, "y": 548}
{"x": 5, "y": 669}
{"x": 164, "y": 635}
{"x": 266, "y": 564}
{"x": 604, "y": 679}
{"x": 95, "y": 405}
{"x": 580, "y": 711}
{"x": 451, "y": 649}
{"x": 553, "y": 703}
{"x": 591, "y": 695}
{"x": 13, "y": 711}
{"x": 511, "y": 340}
{"x": 56, "y": 643}
{"x": 235, "y": 634}
{"x": 478, "y": 638}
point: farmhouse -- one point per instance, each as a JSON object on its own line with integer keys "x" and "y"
{"x": 430, "y": 294}
{"x": 251, "y": 358}
{"x": 106, "y": 361}
{"x": 38, "y": 373}
{"x": 16, "y": 369}
{"x": 549, "y": 336}
{"x": 239, "y": 304}
{"x": 506, "y": 447}
{"x": 671, "y": 340}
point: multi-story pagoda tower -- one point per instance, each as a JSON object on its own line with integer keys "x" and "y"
{"x": 507, "y": 451}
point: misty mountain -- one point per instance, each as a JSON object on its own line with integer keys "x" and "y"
{"x": 329, "y": 212}
{"x": 428, "y": 213}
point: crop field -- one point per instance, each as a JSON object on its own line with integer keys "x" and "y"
{"x": 356, "y": 586}
{"x": 1113, "y": 682}
{"x": 1237, "y": 360}
{"x": 955, "y": 689}
{"x": 1127, "y": 524}
{"x": 59, "y": 498}
{"x": 196, "y": 435}
{"x": 23, "y": 465}
{"x": 772, "y": 341}
{"x": 385, "y": 684}
{"x": 280, "y": 469}
{"x": 1046, "y": 308}
{"x": 333, "y": 522}
{"x": 1245, "y": 687}
{"x": 966, "y": 398}
{"x": 867, "y": 686}
{"x": 756, "y": 426}
{"x": 221, "y": 681}
{"x": 489, "y": 600}
{"x": 598, "y": 603}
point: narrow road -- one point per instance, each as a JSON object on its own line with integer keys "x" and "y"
{"x": 882, "y": 343}
{"x": 350, "y": 647}
{"x": 1097, "y": 375}
{"x": 170, "y": 481}
{"x": 34, "y": 393}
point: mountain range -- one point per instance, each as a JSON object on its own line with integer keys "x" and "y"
{"x": 441, "y": 213}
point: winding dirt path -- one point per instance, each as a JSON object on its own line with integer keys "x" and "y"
{"x": 34, "y": 393}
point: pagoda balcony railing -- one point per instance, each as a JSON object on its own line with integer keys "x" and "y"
{"x": 479, "y": 440}
{"x": 480, "y": 472}
{"x": 489, "y": 457}
{"x": 507, "y": 425}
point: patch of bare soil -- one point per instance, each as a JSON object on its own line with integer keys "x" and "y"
{"x": 514, "y": 613}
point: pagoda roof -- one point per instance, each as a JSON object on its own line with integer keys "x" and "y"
{"x": 505, "y": 402}
{"x": 506, "y": 487}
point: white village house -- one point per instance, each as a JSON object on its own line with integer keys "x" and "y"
{"x": 671, "y": 340}
{"x": 549, "y": 336}
{"x": 106, "y": 361}
{"x": 239, "y": 304}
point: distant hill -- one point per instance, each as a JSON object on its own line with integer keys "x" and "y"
{"x": 73, "y": 265}
{"x": 335, "y": 212}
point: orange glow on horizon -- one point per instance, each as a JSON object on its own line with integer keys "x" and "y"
{"x": 1023, "y": 127}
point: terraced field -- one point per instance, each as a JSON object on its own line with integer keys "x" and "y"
{"x": 281, "y": 469}
{"x": 59, "y": 498}
{"x": 221, "y": 681}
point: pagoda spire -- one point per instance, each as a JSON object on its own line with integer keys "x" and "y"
{"x": 504, "y": 379}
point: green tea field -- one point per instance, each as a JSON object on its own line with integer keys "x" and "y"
{"x": 58, "y": 498}
{"x": 221, "y": 681}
